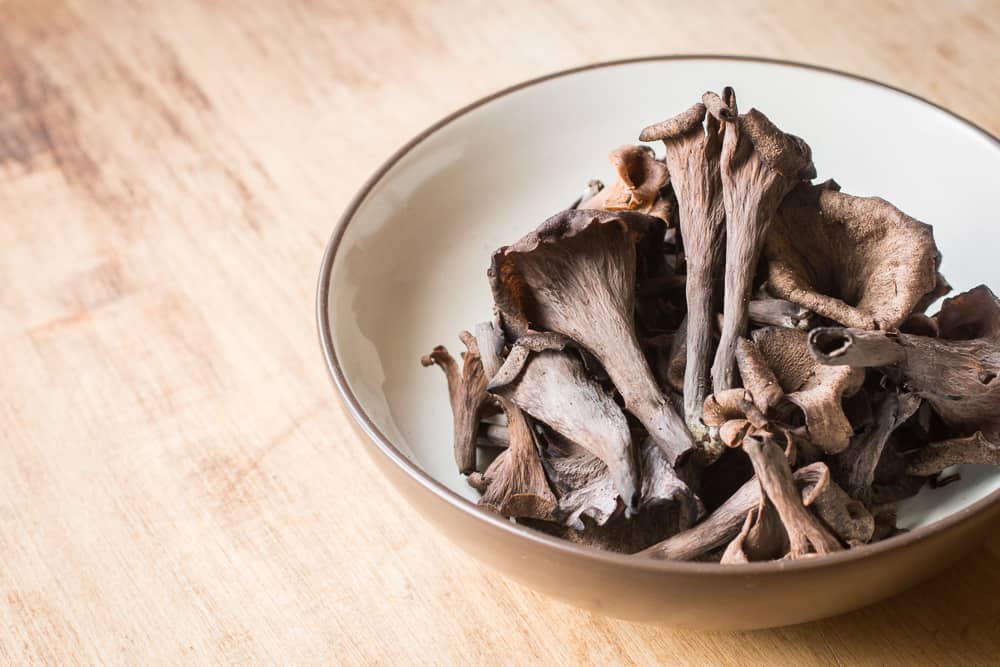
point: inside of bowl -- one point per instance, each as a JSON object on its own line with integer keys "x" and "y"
{"x": 410, "y": 271}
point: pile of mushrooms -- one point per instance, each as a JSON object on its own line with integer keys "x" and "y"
{"x": 716, "y": 359}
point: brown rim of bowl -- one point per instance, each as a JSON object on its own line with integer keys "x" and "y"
{"x": 390, "y": 451}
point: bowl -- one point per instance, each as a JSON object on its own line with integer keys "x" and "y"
{"x": 405, "y": 269}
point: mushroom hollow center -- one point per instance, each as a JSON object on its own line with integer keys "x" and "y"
{"x": 830, "y": 343}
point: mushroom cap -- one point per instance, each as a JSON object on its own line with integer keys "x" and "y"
{"x": 972, "y": 314}
{"x": 859, "y": 261}
{"x": 813, "y": 387}
{"x": 640, "y": 178}
{"x": 563, "y": 248}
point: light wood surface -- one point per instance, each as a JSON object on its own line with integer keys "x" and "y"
{"x": 178, "y": 483}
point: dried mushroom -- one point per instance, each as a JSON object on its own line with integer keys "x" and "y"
{"x": 575, "y": 275}
{"x": 955, "y": 373}
{"x": 514, "y": 485}
{"x": 816, "y": 389}
{"x": 549, "y": 384}
{"x": 858, "y": 261}
{"x": 467, "y": 392}
{"x": 641, "y": 177}
{"x": 692, "y": 156}
{"x": 714, "y": 359}
{"x": 759, "y": 164}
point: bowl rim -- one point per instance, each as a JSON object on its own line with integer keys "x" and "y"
{"x": 385, "y": 446}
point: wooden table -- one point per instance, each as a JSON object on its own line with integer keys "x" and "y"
{"x": 177, "y": 480}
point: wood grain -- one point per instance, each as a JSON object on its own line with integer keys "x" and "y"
{"x": 177, "y": 481}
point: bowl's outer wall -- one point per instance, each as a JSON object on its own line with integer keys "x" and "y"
{"x": 722, "y": 600}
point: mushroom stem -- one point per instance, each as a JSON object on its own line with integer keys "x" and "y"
{"x": 937, "y": 456}
{"x": 692, "y": 158}
{"x": 467, "y": 393}
{"x": 716, "y": 530}
{"x": 805, "y": 533}
{"x": 855, "y": 466}
{"x": 837, "y": 346}
{"x": 700, "y": 348}
{"x": 644, "y": 399}
{"x": 759, "y": 165}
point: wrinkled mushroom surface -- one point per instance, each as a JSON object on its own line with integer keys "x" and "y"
{"x": 575, "y": 275}
{"x": 816, "y": 389}
{"x": 692, "y": 156}
{"x": 858, "y": 261}
{"x": 552, "y": 387}
{"x": 760, "y": 164}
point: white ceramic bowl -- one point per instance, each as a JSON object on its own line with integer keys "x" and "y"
{"x": 406, "y": 267}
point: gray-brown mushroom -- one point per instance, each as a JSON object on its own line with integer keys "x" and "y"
{"x": 550, "y": 385}
{"x": 846, "y": 517}
{"x": 816, "y": 389}
{"x": 762, "y": 537}
{"x": 858, "y": 261}
{"x": 514, "y": 485}
{"x": 806, "y": 534}
{"x": 692, "y": 157}
{"x": 575, "y": 275}
{"x": 760, "y": 164}
{"x": 955, "y": 373}
{"x": 583, "y": 483}
{"x": 470, "y": 402}
{"x": 855, "y": 467}
{"x": 799, "y": 440}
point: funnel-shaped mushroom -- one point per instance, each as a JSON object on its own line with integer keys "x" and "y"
{"x": 760, "y": 164}
{"x": 858, "y": 261}
{"x": 514, "y": 485}
{"x": 724, "y": 524}
{"x": 551, "y": 386}
{"x": 640, "y": 178}
{"x": 805, "y": 533}
{"x": 467, "y": 393}
{"x": 816, "y": 389}
{"x": 761, "y": 538}
{"x": 957, "y": 374}
{"x": 855, "y": 466}
{"x": 692, "y": 157}
{"x": 845, "y": 516}
{"x": 575, "y": 275}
